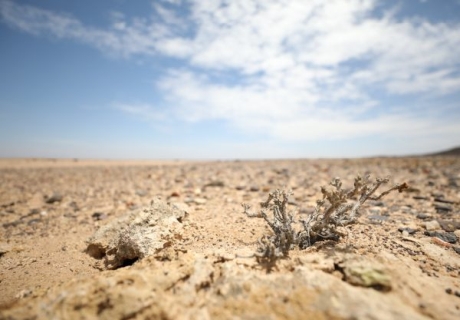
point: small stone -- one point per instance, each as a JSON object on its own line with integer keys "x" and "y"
{"x": 254, "y": 188}
{"x": 367, "y": 274}
{"x": 199, "y": 200}
{"x": 423, "y": 216}
{"x": 141, "y": 193}
{"x": 432, "y": 225}
{"x": 99, "y": 216}
{"x": 449, "y": 291}
{"x": 442, "y": 200}
{"x": 407, "y": 229}
{"x": 216, "y": 183}
{"x": 240, "y": 187}
{"x": 174, "y": 194}
{"x": 442, "y": 207}
{"x": 420, "y": 198}
{"x": 449, "y": 237}
{"x": 56, "y": 197}
{"x": 449, "y": 226}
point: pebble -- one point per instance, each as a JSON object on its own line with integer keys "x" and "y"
{"x": 444, "y": 200}
{"x": 432, "y": 225}
{"x": 442, "y": 207}
{"x": 216, "y": 183}
{"x": 199, "y": 200}
{"x": 449, "y": 226}
{"x": 457, "y": 250}
{"x": 99, "y": 216}
{"x": 423, "y": 216}
{"x": 240, "y": 187}
{"x": 56, "y": 197}
{"x": 407, "y": 229}
{"x": 141, "y": 193}
{"x": 254, "y": 188}
{"x": 449, "y": 237}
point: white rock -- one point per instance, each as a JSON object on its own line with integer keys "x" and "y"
{"x": 432, "y": 225}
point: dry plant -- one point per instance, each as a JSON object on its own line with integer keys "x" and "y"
{"x": 337, "y": 208}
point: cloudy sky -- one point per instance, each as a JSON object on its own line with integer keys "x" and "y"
{"x": 228, "y": 78}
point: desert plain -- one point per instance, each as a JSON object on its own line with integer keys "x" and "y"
{"x": 401, "y": 260}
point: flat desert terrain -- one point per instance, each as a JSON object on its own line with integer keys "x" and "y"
{"x": 82, "y": 239}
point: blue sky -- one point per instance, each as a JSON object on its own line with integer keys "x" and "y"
{"x": 220, "y": 79}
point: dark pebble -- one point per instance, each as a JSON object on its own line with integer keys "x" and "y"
{"x": 174, "y": 194}
{"x": 254, "y": 189}
{"x": 449, "y": 237}
{"x": 423, "y": 216}
{"x": 444, "y": 200}
{"x": 420, "y": 198}
{"x": 449, "y": 226}
{"x": 449, "y": 291}
{"x": 99, "y": 216}
{"x": 457, "y": 294}
{"x": 409, "y": 230}
{"x": 216, "y": 183}
{"x": 33, "y": 221}
{"x": 56, "y": 197}
{"x": 457, "y": 250}
{"x": 441, "y": 207}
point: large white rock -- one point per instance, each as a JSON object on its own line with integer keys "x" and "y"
{"x": 136, "y": 235}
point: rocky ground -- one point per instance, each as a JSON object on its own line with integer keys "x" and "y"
{"x": 64, "y": 224}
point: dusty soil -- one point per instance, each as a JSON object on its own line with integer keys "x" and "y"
{"x": 391, "y": 265}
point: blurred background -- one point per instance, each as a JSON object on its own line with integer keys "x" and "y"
{"x": 215, "y": 79}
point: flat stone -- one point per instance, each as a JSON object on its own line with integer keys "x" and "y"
{"x": 216, "y": 183}
{"x": 199, "y": 200}
{"x": 56, "y": 197}
{"x": 442, "y": 207}
{"x": 423, "y": 216}
{"x": 449, "y": 226}
{"x": 432, "y": 225}
{"x": 407, "y": 229}
{"x": 449, "y": 237}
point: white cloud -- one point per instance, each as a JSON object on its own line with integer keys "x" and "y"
{"x": 293, "y": 70}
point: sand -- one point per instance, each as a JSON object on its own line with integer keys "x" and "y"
{"x": 49, "y": 208}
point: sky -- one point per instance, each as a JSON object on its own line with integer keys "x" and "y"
{"x": 220, "y": 79}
